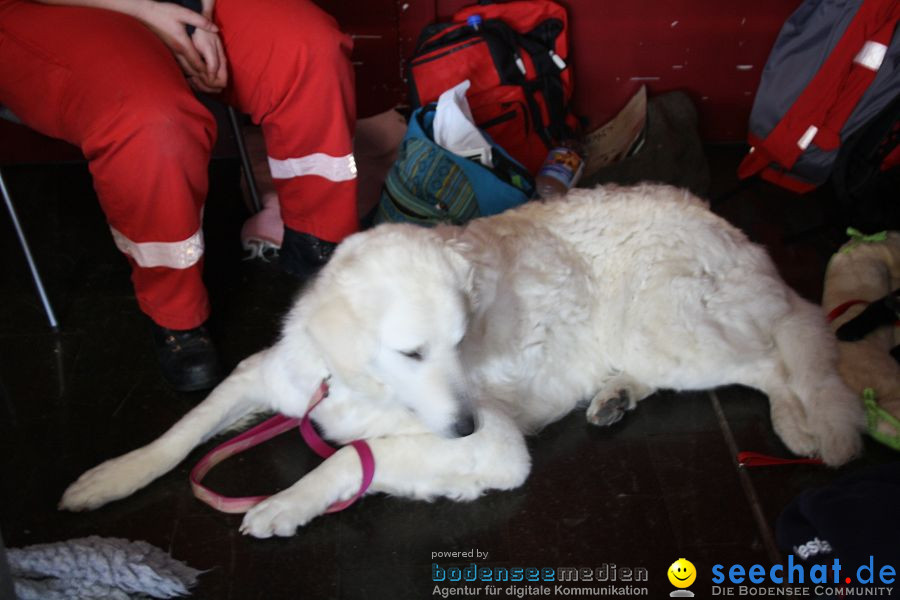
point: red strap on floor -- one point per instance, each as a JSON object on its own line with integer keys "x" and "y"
{"x": 756, "y": 459}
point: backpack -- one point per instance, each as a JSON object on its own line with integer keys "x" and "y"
{"x": 834, "y": 66}
{"x": 866, "y": 175}
{"x": 514, "y": 53}
{"x": 429, "y": 185}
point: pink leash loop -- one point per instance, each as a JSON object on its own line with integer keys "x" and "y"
{"x": 250, "y": 438}
{"x": 323, "y": 449}
{"x": 264, "y": 432}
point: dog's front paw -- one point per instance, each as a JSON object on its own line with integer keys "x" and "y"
{"x": 111, "y": 480}
{"x": 276, "y": 516}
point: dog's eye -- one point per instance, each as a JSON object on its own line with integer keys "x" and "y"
{"x": 413, "y": 354}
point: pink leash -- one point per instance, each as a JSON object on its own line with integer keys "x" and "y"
{"x": 266, "y": 431}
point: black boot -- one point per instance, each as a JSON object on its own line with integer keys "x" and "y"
{"x": 188, "y": 358}
{"x": 302, "y": 254}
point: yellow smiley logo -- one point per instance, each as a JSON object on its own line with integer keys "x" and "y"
{"x": 682, "y": 573}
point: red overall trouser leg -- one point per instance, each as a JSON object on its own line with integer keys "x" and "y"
{"x": 103, "y": 81}
{"x": 291, "y": 72}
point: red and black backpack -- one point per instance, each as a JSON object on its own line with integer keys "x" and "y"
{"x": 514, "y": 54}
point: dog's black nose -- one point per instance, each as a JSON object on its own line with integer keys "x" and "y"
{"x": 464, "y": 426}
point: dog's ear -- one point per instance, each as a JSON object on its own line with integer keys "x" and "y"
{"x": 345, "y": 340}
{"x": 456, "y": 253}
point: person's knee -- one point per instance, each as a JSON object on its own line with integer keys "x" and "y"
{"x": 149, "y": 164}
{"x": 181, "y": 127}
{"x": 178, "y": 127}
{"x": 325, "y": 41}
{"x": 315, "y": 44}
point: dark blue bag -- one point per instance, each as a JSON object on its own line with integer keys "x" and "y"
{"x": 429, "y": 185}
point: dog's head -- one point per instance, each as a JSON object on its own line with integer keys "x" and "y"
{"x": 388, "y": 314}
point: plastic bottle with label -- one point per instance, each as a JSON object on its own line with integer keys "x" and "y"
{"x": 561, "y": 169}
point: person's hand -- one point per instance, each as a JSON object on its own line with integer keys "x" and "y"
{"x": 168, "y": 21}
{"x": 215, "y": 75}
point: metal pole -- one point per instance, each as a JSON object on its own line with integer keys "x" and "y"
{"x": 35, "y": 274}
{"x": 245, "y": 159}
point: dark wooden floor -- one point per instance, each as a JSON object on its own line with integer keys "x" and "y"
{"x": 660, "y": 485}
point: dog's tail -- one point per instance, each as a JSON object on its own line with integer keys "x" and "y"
{"x": 813, "y": 410}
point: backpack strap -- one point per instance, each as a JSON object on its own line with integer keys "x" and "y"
{"x": 504, "y": 43}
{"x": 539, "y": 45}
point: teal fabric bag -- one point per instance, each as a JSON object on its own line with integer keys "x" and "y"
{"x": 428, "y": 185}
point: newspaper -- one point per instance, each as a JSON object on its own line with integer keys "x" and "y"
{"x": 622, "y": 136}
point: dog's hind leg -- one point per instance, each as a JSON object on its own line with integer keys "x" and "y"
{"x": 813, "y": 410}
{"x": 233, "y": 399}
{"x": 416, "y": 466}
{"x": 789, "y": 418}
{"x": 619, "y": 393}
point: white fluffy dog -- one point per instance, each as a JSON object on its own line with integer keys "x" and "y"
{"x": 443, "y": 346}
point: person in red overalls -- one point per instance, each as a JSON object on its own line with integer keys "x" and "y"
{"x": 115, "y": 77}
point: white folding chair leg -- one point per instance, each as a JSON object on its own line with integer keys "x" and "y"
{"x": 35, "y": 274}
